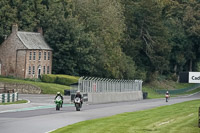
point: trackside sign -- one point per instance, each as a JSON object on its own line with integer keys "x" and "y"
{"x": 194, "y": 77}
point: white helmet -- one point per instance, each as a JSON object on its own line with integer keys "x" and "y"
{"x": 58, "y": 92}
{"x": 77, "y": 91}
{"x": 167, "y": 92}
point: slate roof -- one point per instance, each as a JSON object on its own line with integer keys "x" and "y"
{"x": 33, "y": 40}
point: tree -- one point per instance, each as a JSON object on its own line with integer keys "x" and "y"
{"x": 7, "y": 18}
{"x": 191, "y": 22}
{"x": 104, "y": 20}
{"x": 30, "y": 14}
{"x": 182, "y": 22}
{"x": 146, "y": 37}
{"x": 72, "y": 47}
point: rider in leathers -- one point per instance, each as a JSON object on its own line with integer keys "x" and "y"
{"x": 59, "y": 95}
{"x": 78, "y": 94}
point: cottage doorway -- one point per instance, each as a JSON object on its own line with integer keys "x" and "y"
{"x": 39, "y": 71}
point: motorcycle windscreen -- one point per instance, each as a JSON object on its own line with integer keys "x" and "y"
{"x": 58, "y": 99}
{"x": 77, "y": 100}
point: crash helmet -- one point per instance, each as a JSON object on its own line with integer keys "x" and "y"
{"x": 58, "y": 93}
{"x": 78, "y": 92}
{"x": 167, "y": 92}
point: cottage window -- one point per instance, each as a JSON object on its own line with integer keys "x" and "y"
{"x": 34, "y": 53}
{"x": 30, "y": 56}
{"x": 47, "y": 69}
{"x": 33, "y": 70}
{"x": 48, "y": 55}
{"x": 44, "y": 69}
{"x": 40, "y": 55}
{"x": 29, "y": 70}
{"x": 45, "y": 55}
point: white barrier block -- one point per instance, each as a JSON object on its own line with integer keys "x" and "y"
{"x": 11, "y": 97}
{"x": 5, "y": 98}
{"x": 0, "y": 98}
{"x": 16, "y": 96}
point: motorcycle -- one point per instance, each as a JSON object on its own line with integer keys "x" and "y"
{"x": 58, "y": 103}
{"x": 77, "y": 102}
{"x": 167, "y": 97}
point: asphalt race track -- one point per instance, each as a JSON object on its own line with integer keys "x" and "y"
{"x": 40, "y": 116}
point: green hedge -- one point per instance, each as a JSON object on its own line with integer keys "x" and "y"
{"x": 49, "y": 78}
{"x": 59, "y": 79}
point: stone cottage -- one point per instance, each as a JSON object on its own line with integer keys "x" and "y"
{"x": 25, "y": 55}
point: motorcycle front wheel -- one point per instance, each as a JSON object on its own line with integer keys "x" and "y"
{"x": 57, "y": 107}
{"x": 77, "y": 107}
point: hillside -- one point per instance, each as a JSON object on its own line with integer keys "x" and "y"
{"x": 118, "y": 39}
{"x": 52, "y": 88}
{"x": 157, "y": 89}
{"x": 47, "y": 88}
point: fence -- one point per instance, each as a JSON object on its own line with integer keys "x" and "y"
{"x": 178, "y": 91}
{"x": 8, "y": 97}
{"x": 97, "y": 85}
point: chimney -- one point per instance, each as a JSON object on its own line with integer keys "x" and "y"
{"x": 14, "y": 28}
{"x": 40, "y": 30}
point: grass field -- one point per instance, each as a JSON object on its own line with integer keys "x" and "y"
{"x": 153, "y": 94}
{"x": 167, "y": 84}
{"x": 177, "y": 118}
{"x": 52, "y": 88}
{"x": 193, "y": 91}
{"x": 17, "y": 102}
{"x": 47, "y": 88}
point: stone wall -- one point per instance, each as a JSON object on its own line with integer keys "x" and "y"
{"x": 38, "y": 63}
{"x": 14, "y": 58}
{"x": 20, "y": 63}
{"x": 114, "y": 97}
{"x": 8, "y": 54}
{"x": 22, "y": 88}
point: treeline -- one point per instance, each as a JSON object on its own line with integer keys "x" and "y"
{"x": 130, "y": 39}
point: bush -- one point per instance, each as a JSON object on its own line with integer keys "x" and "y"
{"x": 59, "y": 79}
{"x": 34, "y": 79}
{"x": 49, "y": 78}
{"x": 174, "y": 77}
{"x": 65, "y": 81}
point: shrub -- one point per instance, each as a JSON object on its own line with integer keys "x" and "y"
{"x": 66, "y": 79}
{"x": 49, "y": 78}
{"x": 60, "y": 79}
{"x": 34, "y": 79}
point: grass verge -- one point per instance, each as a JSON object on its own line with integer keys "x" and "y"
{"x": 191, "y": 92}
{"x": 47, "y": 88}
{"x": 151, "y": 93}
{"x": 17, "y": 102}
{"x": 167, "y": 85}
{"x": 177, "y": 118}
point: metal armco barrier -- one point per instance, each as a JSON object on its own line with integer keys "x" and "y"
{"x": 8, "y": 97}
{"x": 178, "y": 91}
{"x": 99, "y": 85}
